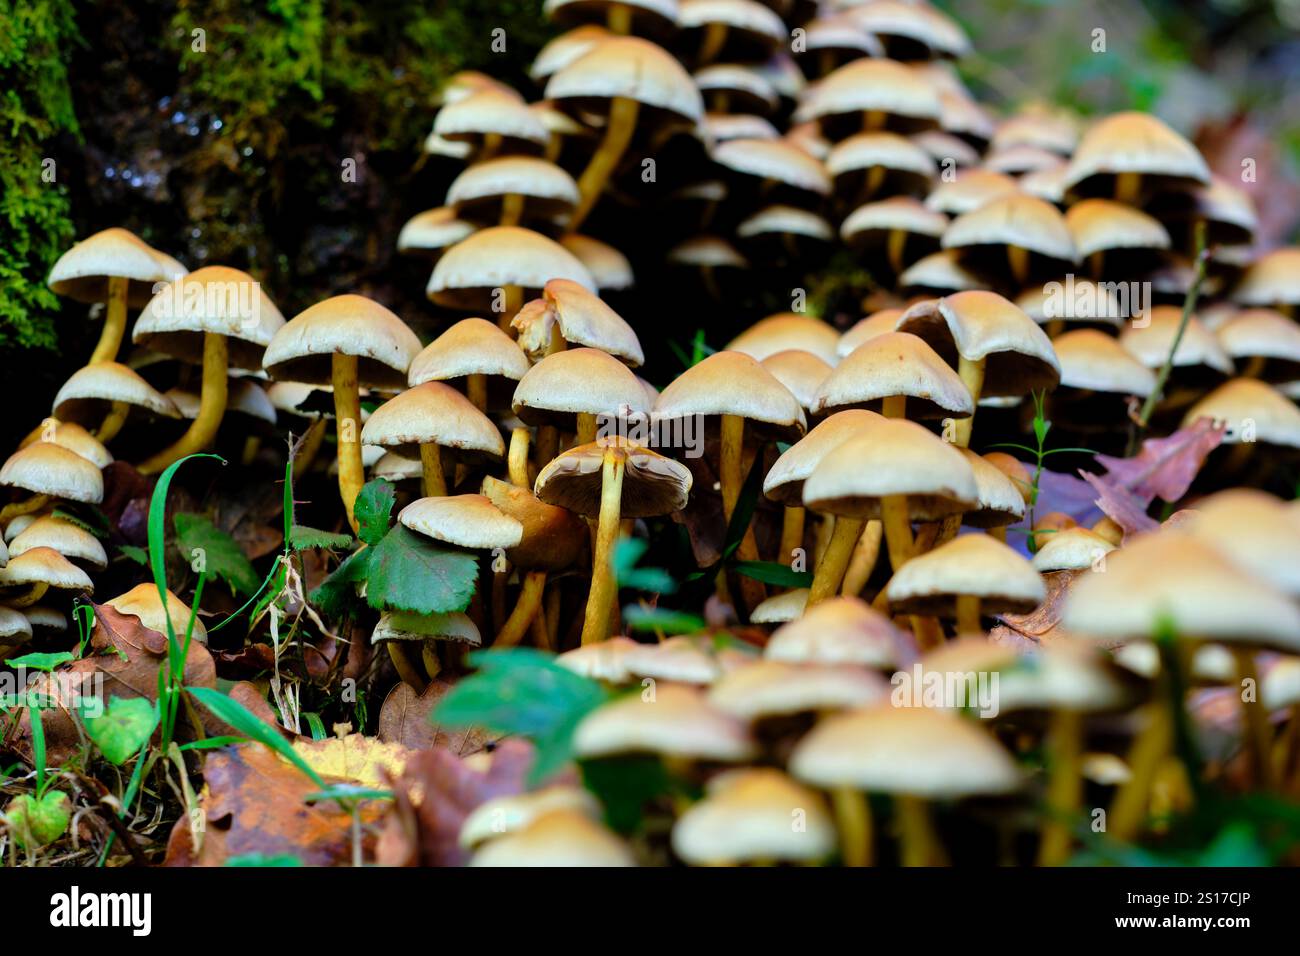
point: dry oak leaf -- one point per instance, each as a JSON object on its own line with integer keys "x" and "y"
{"x": 405, "y": 719}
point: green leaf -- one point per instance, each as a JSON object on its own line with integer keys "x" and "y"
{"x": 262, "y": 859}
{"x": 41, "y": 662}
{"x": 302, "y": 538}
{"x": 640, "y": 618}
{"x": 523, "y": 691}
{"x": 746, "y": 502}
{"x": 775, "y": 573}
{"x": 409, "y": 572}
{"x": 221, "y": 553}
{"x": 43, "y": 819}
{"x": 624, "y": 785}
{"x": 91, "y": 519}
{"x": 124, "y": 728}
{"x": 337, "y": 594}
{"x": 255, "y": 728}
{"x": 627, "y": 553}
{"x": 373, "y": 510}
{"x": 137, "y": 554}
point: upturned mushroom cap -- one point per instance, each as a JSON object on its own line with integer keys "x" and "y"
{"x": 469, "y": 347}
{"x": 1171, "y": 577}
{"x": 969, "y": 190}
{"x": 678, "y": 722}
{"x": 467, "y": 521}
{"x": 732, "y": 383}
{"x": 1001, "y": 501}
{"x": 1252, "y": 411}
{"x": 15, "y": 628}
{"x": 1255, "y": 530}
{"x": 432, "y": 413}
{"x": 548, "y": 189}
{"x": 892, "y": 457}
{"x": 214, "y": 299}
{"x": 1014, "y": 219}
{"x": 493, "y": 111}
{"x": 891, "y": 365}
{"x": 303, "y": 349}
{"x": 88, "y": 392}
{"x": 82, "y": 273}
{"x": 1095, "y": 361}
{"x": 1266, "y": 335}
{"x": 608, "y": 267}
{"x": 773, "y": 688}
{"x": 652, "y": 484}
{"x": 780, "y": 608}
{"x": 74, "y": 438}
{"x": 48, "y": 469}
{"x": 631, "y": 68}
{"x": 1018, "y": 355}
{"x": 1135, "y": 143}
{"x": 469, "y": 273}
{"x": 885, "y": 749}
{"x": 451, "y": 626}
{"x": 511, "y": 813}
{"x": 747, "y": 816}
{"x": 601, "y": 661}
{"x": 1098, "y": 225}
{"x": 1273, "y": 279}
{"x": 971, "y": 564}
{"x": 577, "y": 381}
{"x": 775, "y": 160}
{"x": 871, "y": 85}
{"x": 70, "y": 540}
{"x": 1071, "y": 549}
{"x": 44, "y": 566}
{"x": 1150, "y": 342}
{"x": 431, "y": 232}
{"x": 553, "y": 538}
{"x": 559, "y": 838}
{"x": 838, "y": 631}
{"x": 142, "y": 601}
{"x": 584, "y": 319}
{"x": 784, "y": 331}
{"x": 799, "y": 371}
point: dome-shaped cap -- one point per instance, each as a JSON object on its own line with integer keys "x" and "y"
{"x": 44, "y": 566}
{"x": 631, "y": 68}
{"x": 911, "y": 30}
{"x": 684, "y": 659}
{"x": 838, "y": 631}
{"x": 1253, "y": 529}
{"x": 1075, "y": 300}
{"x": 799, "y": 371}
{"x": 718, "y": 128}
{"x": 878, "y": 323}
{"x": 782, "y": 220}
{"x": 706, "y": 252}
{"x": 489, "y": 112}
{"x": 1098, "y": 225}
{"x": 560, "y": 51}
{"x": 940, "y": 272}
{"x": 1001, "y": 500}
{"x": 452, "y": 626}
{"x": 1135, "y": 143}
{"x": 603, "y": 661}
{"x": 652, "y": 484}
{"x": 871, "y": 85}
{"x": 746, "y": 88}
{"x": 302, "y": 351}
{"x": 784, "y": 331}
{"x": 15, "y": 628}
{"x": 889, "y": 151}
{"x": 969, "y": 190}
{"x": 48, "y": 469}
{"x": 610, "y": 269}
{"x": 898, "y": 213}
{"x": 1150, "y": 341}
{"x": 511, "y": 813}
{"x": 468, "y": 274}
{"x": 433, "y": 231}
{"x": 1094, "y": 361}
{"x": 560, "y": 838}
{"x": 469, "y": 347}
{"x": 891, "y": 365}
{"x": 1252, "y": 411}
{"x": 1070, "y": 549}
{"x": 142, "y": 601}
{"x": 773, "y": 688}
{"x": 1267, "y": 336}
{"x": 553, "y": 538}
{"x": 88, "y": 392}
{"x": 1273, "y": 279}
{"x": 82, "y": 273}
{"x": 548, "y": 188}
{"x": 468, "y": 521}
{"x": 70, "y": 540}
{"x": 578, "y": 381}
{"x": 584, "y": 320}
{"x": 1014, "y": 219}
{"x": 1037, "y": 128}
{"x": 432, "y": 413}
{"x": 780, "y": 608}
{"x": 775, "y": 160}
{"x": 74, "y": 438}
{"x": 757, "y": 28}
{"x": 678, "y": 722}
{"x": 977, "y": 565}
{"x": 732, "y": 383}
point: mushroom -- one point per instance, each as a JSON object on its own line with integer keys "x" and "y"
{"x": 870, "y": 165}
{"x": 769, "y": 689}
{"x": 729, "y": 88}
{"x": 103, "y": 394}
{"x": 70, "y": 540}
{"x": 562, "y": 837}
{"x": 802, "y": 373}
{"x": 73, "y": 437}
{"x": 1127, "y": 154}
{"x": 840, "y": 631}
{"x": 780, "y": 608}
{"x": 909, "y": 31}
{"x": 677, "y": 723}
{"x": 894, "y": 233}
{"x": 736, "y": 30}
{"x": 870, "y": 95}
{"x": 48, "y": 470}
{"x": 785, "y": 234}
{"x": 567, "y": 315}
{"x": 1114, "y": 239}
{"x": 473, "y": 351}
{"x": 503, "y": 815}
{"x": 785, "y": 331}
{"x": 620, "y": 16}
{"x": 490, "y": 121}
{"x": 1266, "y": 344}
{"x": 430, "y": 233}
{"x": 1004, "y": 235}
{"x": 15, "y": 630}
{"x": 602, "y": 662}
{"x": 610, "y": 269}
{"x": 27, "y": 576}
{"x": 143, "y": 602}
{"x": 1272, "y": 281}
{"x": 512, "y": 190}
{"x": 395, "y": 629}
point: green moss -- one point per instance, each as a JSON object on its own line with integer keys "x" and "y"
{"x": 35, "y": 106}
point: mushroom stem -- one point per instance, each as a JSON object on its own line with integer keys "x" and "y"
{"x": 1018, "y": 262}
{"x": 895, "y": 245}
{"x": 112, "y": 423}
{"x": 715, "y": 37}
{"x": 1255, "y": 720}
{"x": 512, "y": 300}
{"x": 110, "y": 336}
{"x": 476, "y": 390}
{"x": 733, "y": 450}
{"x": 517, "y": 458}
{"x": 212, "y": 406}
{"x": 586, "y": 428}
{"x": 429, "y": 657}
{"x": 792, "y": 522}
{"x": 34, "y": 503}
{"x": 831, "y": 568}
{"x": 435, "y": 482}
{"x": 512, "y": 209}
{"x": 30, "y": 597}
{"x": 595, "y": 624}
{"x": 619, "y": 19}
{"x": 863, "y": 562}
{"x": 1128, "y": 188}
{"x": 1128, "y": 811}
{"x": 853, "y": 819}
{"x": 347, "y": 419}
{"x": 252, "y": 445}
{"x": 919, "y": 843}
{"x": 968, "y": 614}
{"x": 311, "y": 442}
{"x": 898, "y": 529}
{"x": 526, "y": 608}
{"x": 618, "y": 133}
{"x": 971, "y": 372}
{"x": 548, "y": 444}
{"x": 1064, "y": 786}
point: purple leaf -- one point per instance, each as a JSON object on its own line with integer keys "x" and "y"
{"x": 1120, "y": 505}
{"x": 1165, "y": 467}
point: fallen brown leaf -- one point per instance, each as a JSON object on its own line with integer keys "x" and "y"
{"x": 405, "y": 718}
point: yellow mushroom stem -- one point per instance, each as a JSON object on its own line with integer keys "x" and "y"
{"x": 29, "y": 597}
{"x": 347, "y": 420}
{"x": 1097, "y": 264}
{"x": 491, "y": 146}
{"x": 312, "y": 439}
{"x": 476, "y": 391}
{"x": 512, "y": 300}
{"x": 1255, "y": 720}
{"x": 720, "y": 102}
{"x": 26, "y": 507}
{"x": 498, "y": 598}
{"x": 1018, "y": 262}
{"x": 110, "y": 336}
{"x": 873, "y": 120}
{"x": 435, "y": 482}
{"x": 619, "y": 19}
{"x": 968, "y": 614}
{"x": 918, "y": 843}
{"x": 517, "y": 458}
{"x": 1128, "y": 811}
{"x": 853, "y": 819}
{"x": 548, "y": 445}
{"x": 831, "y": 568}
{"x": 863, "y": 562}
{"x": 586, "y": 428}
{"x": 715, "y": 38}
{"x": 1128, "y": 188}
{"x": 525, "y": 612}
{"x": 512, "y": 209}
{"x": 618, "y": 134}
{"x": 872, "y": 182}
{"x": 252, "y": 445}
{"x": 896, "y": 244}
{"x": 730, "y": 467}
{"x": 595, "y": 624}
{"x": 112, "y": 423}
{"x": 429, "y": 657}
{"x": 971, "y": 372}
{"x": 792, "y": 522}
{"x": 553, "y": 599}
{"x": 540, "y": 631}
{"x": 1064, "y": 785}
{"x": 212, "y": 406}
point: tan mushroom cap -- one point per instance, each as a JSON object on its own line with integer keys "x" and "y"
{"x": 757, "y": 21}
{"x": 74, "y": 438}
{"x": 467, "y": 521}
{"x": 214, "y": 299}
{"x": 1075, "y": 300}
{"x": 941, "y": 145}
{"x": 747, "y": 817}
{"x": 630, "y": 68}
{"x": 862, "y": 331}
{"x": 70, "y": 540}
{"x": 838, "y": 631}
{"x": 1037, "y": 128}
{"x": 452, "y": 626}
{"x": 432, "y": 413}
{"x": 302, "y": 351}
{"x": 1022, "y": 160}
{"x": 733, "y": 383}
{"x": 84, "y": 397}
{"x": 788, "y": 330}
{"x": 82, "y": 273}
{"x": 776, "y": 160}
{"x": 684, "y": 659}
{"x": 1252, "y": 411}
{"x": 469, "y": 272}
{"x": 601, "y": 661}
{"x": 142, "y": 601}
{"x": 469, "y": 347}
{"x": 553, "y": 538}
{"x": 1071, "y": 549}
{"x": 1018, "y": 355}
{"x": 584, "y": 320}
{"x": 652, "y": 484}
{"x": 1001, "y": 500}
{"x": 44, "y": 566}
{"x": 1273, "y": 279}
{"x": 511, "y": 813}
{"x": 560, "y": 51}
{"x": 782, "y": 220}
{"x": 1098, "y": 225}
{"x": 677, "y": 721}
{"x": 1169, "y": 576}
{"x": 1014, "y": 219}
{"x": 706, "y": 252}
{"x": 977, "y": 565}
{"x": 1047, "y": 183}
{"x": 1016, "y": 471}
{"x": 748, "y": 88}
{"x": 1094, "y": 361}
{"x": 969, "y": 190}
{"x": 892, "y": 457}
{"x": 48, "y": 469}
{"x": 395, "y": 467}
{"x": 871, "y": 85}
{"x": 1150, "y": 342}
{"x": 493, "y": 111}
{"x": 15, "y": 628}
{"x": 610, "y": 269}
{"x": 799, "y": 371}
{"x": 432, "y": 231}
{"x": 1281, "y": 684}
{"x": 560, "y": 838}
{"x": 838, "y": 33}
{"x": 577, "y": 381}
{"x": 886, "y": 749}
{"x": 780, "y": 608}
{"x": 773, "y": 688}
{"x": 1267, "y": 335}
{"x": 891, "y": 365}
{"x": 921, "y": 24}
{"x": 1255, "y": 530}
{"x": 898, "y": 213}
{"x": 941, "y": 271}
{"x": 1135, "y": 143}
{"x": 549, "y": 189}
{"x": 887, "y": 150}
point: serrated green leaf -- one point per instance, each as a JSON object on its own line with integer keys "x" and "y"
{"x": 124, "y": 728}
{"x": 221, "y": 553}
{"x": 772, "y": 572}
{"x": 337, "y": 594}
{"x": 374, "y": 509}
{"x": 409, "y": 572}
{"x": 302, "y": 538}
